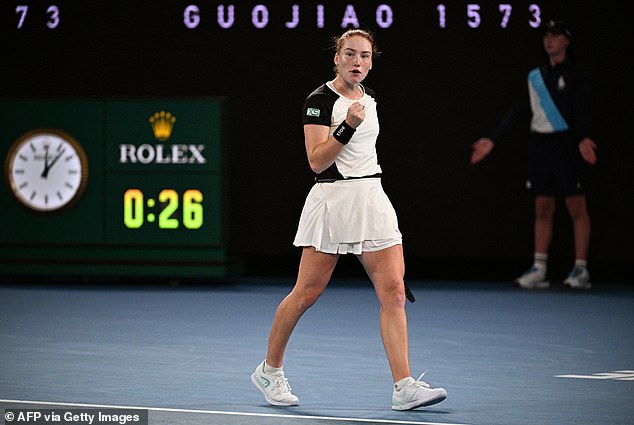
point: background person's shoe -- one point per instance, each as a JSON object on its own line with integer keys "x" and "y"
{"x": 533, "y": 278}
{"x": 578, "y": 278}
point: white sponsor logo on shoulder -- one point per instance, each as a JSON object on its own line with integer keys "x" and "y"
{"x": 312, "y": 112}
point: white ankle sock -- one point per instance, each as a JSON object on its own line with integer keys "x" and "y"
{"x": 581, "y": 263}
{"x": 402, "y": 382}
{"x": 541, "y": 260}
{"x": 270, "y": 369}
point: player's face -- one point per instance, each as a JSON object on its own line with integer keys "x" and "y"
{"x": 354, "y": 61}
{"x": 555, "y": 43}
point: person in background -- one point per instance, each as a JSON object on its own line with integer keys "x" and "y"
{"x": 555, "y": 99}
{"x": 346, "y": 212}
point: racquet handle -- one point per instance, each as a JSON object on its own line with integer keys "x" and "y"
{"x": 408, "y": 294}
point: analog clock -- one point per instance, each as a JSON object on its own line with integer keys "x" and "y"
{"x": 46, "y": 169}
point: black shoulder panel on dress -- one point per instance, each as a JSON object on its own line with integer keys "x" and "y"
{"x": 318, "y": 106}
{"x": 318, "y": 110}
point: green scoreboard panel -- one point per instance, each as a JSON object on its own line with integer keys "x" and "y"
{"x": 113, "y": 187}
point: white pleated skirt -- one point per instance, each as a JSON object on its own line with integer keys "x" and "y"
{"x": 348, "y": 216}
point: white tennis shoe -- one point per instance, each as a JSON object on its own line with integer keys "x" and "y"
{"x": 274, "y": 387}
{"x": 533, "y": 278}
{"x": 578, "y": 278}
{"x": 416, "y": 393}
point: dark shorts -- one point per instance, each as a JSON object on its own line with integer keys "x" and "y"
{"x": 555, "y": 165}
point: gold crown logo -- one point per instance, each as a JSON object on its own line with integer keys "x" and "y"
{"x": 162, "y": 125}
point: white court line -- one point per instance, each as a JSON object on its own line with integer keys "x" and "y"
{"x": 218, "y": 412}
{"x": 619, "y": 375}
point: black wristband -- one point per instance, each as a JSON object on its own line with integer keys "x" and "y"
{"x": 343, "y": 133}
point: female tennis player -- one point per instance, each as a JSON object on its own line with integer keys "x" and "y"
{"x": 346, "y": 212}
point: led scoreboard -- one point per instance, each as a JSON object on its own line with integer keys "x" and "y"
{"x": 116, "y": 187}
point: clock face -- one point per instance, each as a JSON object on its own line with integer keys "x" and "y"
{"x": 47, "y": 170}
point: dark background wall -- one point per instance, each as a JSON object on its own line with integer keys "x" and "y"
{"x": 439, "y": 89}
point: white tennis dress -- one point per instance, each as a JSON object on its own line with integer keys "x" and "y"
{"x": 347, "y": 210}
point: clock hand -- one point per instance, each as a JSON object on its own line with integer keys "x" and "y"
{"x": 49, "y": 166}
{"x": 56, "y": 158}
{"x": 46, "y": 165}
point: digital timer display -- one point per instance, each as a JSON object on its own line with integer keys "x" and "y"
{"x": 163, "y": 175}
{"x": 170, "y": 204}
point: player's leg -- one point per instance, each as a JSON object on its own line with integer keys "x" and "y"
{"x": 386, "y": 269}
{"x": 315, "y": 269}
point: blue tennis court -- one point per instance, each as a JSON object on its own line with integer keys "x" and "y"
{"x": 185, "y": 353}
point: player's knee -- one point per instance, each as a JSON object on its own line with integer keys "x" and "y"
{"x": 392, "y": 295}
{"x": 306, "y": 298}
